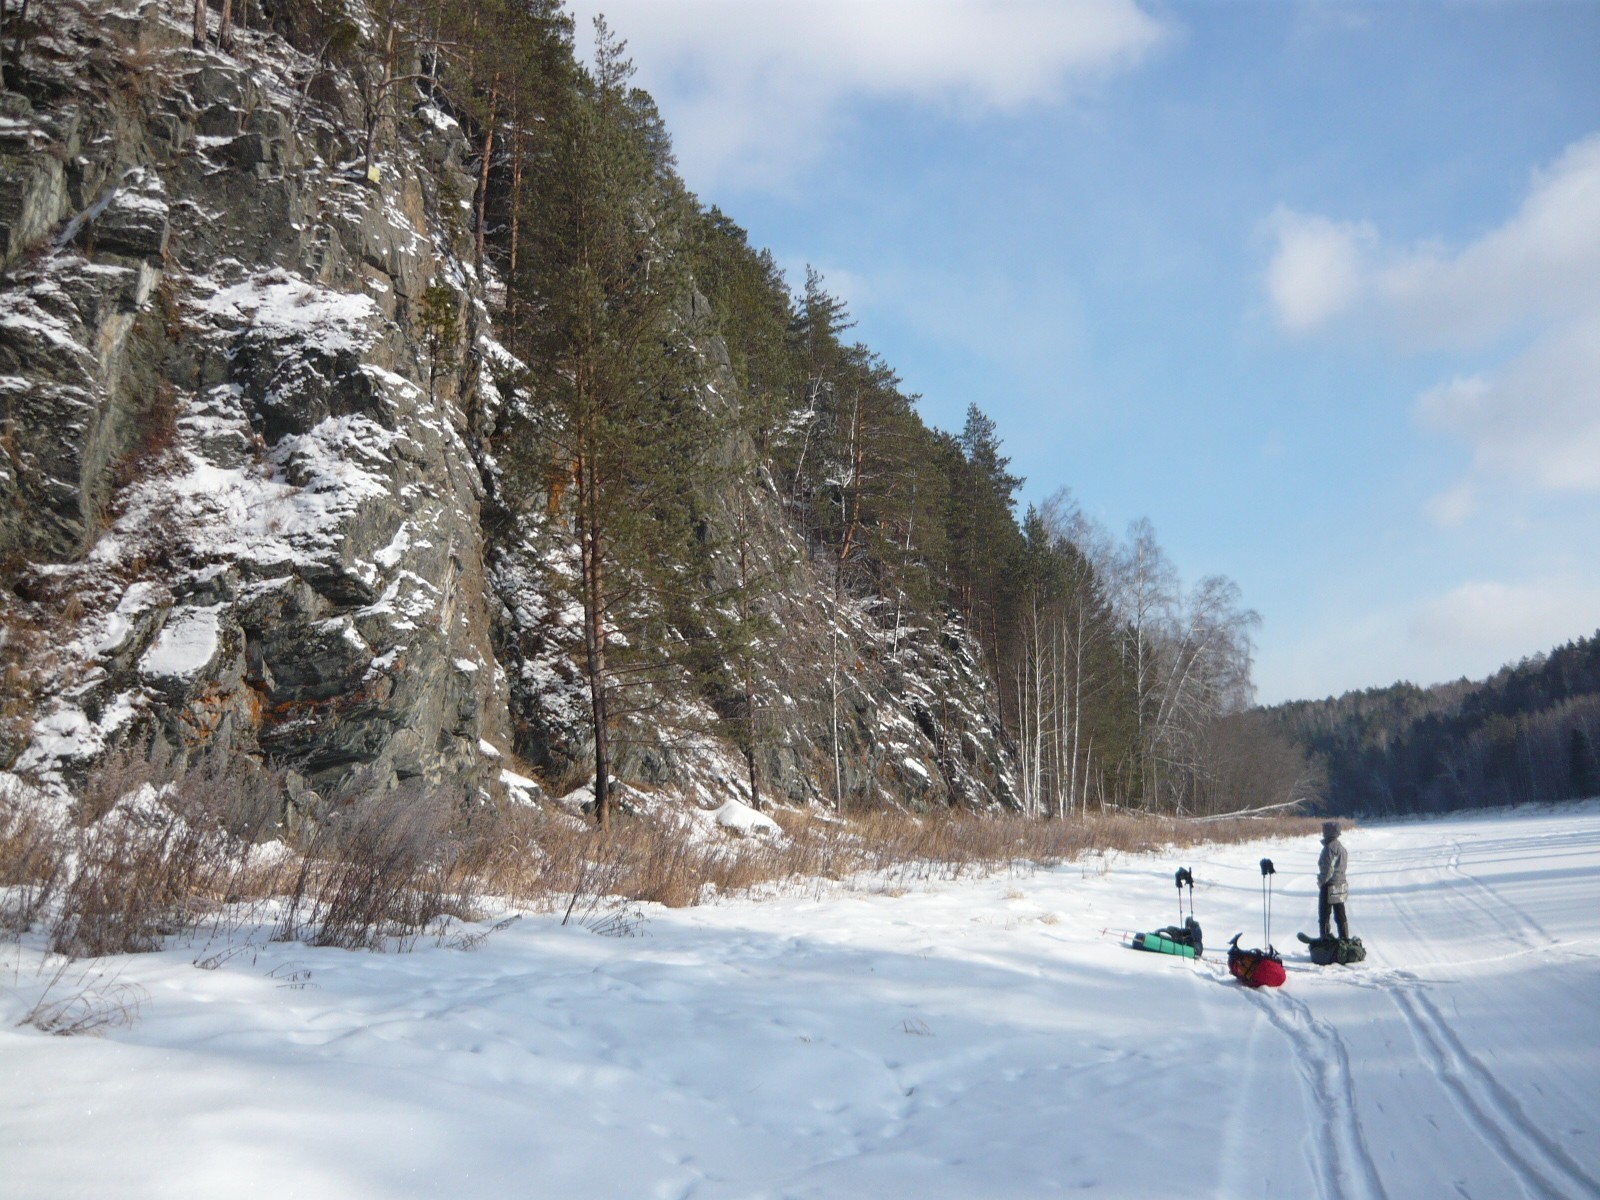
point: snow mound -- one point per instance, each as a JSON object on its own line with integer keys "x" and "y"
{"x": 740, "y": 818}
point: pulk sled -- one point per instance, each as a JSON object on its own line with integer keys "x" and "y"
{"x": 1182, "y": 939}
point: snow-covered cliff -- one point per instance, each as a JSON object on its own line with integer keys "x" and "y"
{"x": 243, "y": 509}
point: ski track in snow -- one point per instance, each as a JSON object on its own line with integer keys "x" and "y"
{"x": 1344, "y": 1168}
{"x": 1541, "y": 1168}
{"x": 1504, "y": 913}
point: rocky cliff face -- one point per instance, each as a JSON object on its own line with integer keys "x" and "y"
{"x": 236, "y": 513}
{"x": 242, "y": 502}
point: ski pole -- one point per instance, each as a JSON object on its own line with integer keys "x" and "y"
{"x": 1267, "y": 872}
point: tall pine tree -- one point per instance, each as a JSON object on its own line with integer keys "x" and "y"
{"x": 614, "y": 410}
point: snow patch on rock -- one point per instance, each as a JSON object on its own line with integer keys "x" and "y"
{"x": 186, "y": 644}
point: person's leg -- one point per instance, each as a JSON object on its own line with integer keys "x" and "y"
{"x": 1322, "y": 911}
{"x": 1344, "y": 924}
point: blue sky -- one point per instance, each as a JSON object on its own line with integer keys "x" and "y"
{"x": 1314, "y": 286}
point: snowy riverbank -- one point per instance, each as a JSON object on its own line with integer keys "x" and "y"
{"x": 973, "y": 1039}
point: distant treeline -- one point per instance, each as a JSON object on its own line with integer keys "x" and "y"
{"x": 1530, "y": 733}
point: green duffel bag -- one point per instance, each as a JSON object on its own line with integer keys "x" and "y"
{"x": 1330, "y": 950}
{"x": 1158, "y": 943}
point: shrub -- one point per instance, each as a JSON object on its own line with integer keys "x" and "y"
{"x": 140, "y": 872}
{"x": 384, "y": 867}
{"x": 82, "y": 1002}
{"x": 551, "y": 858}
{"x": 152, "y": 852}
{"x": 154, "y": 855}
{"x": 33, "y": 854}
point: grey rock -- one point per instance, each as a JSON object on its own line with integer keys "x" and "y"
{"x": 219, "y": 121}
{"x": 33, "y": 198}
{"x": 272, "y": 124}
{"x": 133, "y": 224}
{"x": 168, "y": 132}
{"x": 246, "y": 151}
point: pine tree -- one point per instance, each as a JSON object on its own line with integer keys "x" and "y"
{"x": 806, "y": 454}
{"x": 616, "y": 416}
{"x": 985, "y": 540}
{"x": 440, "y": 327}
{"x": 754, "y": 314}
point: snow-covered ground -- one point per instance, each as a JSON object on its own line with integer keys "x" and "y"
{"x": 973, "y": 1039}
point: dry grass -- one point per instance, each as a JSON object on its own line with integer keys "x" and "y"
{"x": 384, "y": 868}
{"x": 550, "y": 859}
{"x": 82, "y": 1001}
{"x": 140, "y": 859}
{"x": 145, "y": 860}
{"x": 146, "y": 857}
{"x": 141, "y": 872}
{"x": 151, "y": 855}
{"x": 32, "y": 862}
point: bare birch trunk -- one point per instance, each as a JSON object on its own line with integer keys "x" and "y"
{"x": 838, "y": 771}
{"x": 857, "y": 457}
{"x": 516, "y": 210}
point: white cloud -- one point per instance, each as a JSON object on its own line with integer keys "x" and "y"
{"x": 1492, "y": 623}
{"x": 1530, "y": 418}
{"x": 1318, "y": 271}
{"x": 754, "y": 90}
{"x": 1470, "y": 631}
{"x": 1537, "y": 421}
{"x": 1541, "y": 265}
{"x": 1454, "y": 506}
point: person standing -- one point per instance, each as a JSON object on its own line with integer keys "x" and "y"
{"x": 1333, "y": 889}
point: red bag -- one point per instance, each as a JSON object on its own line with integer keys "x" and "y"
{"x": 1255, "y": 968}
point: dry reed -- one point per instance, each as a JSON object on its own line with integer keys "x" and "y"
{"x": 145, "y": 860}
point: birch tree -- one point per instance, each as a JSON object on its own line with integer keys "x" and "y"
{"x": 1204, "y": 676}
{"x": 1145, "y": 592}
{"x": 1088, "y": 707}
{"x": 1063, "y": 666}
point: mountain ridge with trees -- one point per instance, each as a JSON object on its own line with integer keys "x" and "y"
{"x": 566, "y": 477}
{"x": 1528, "y": 734}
